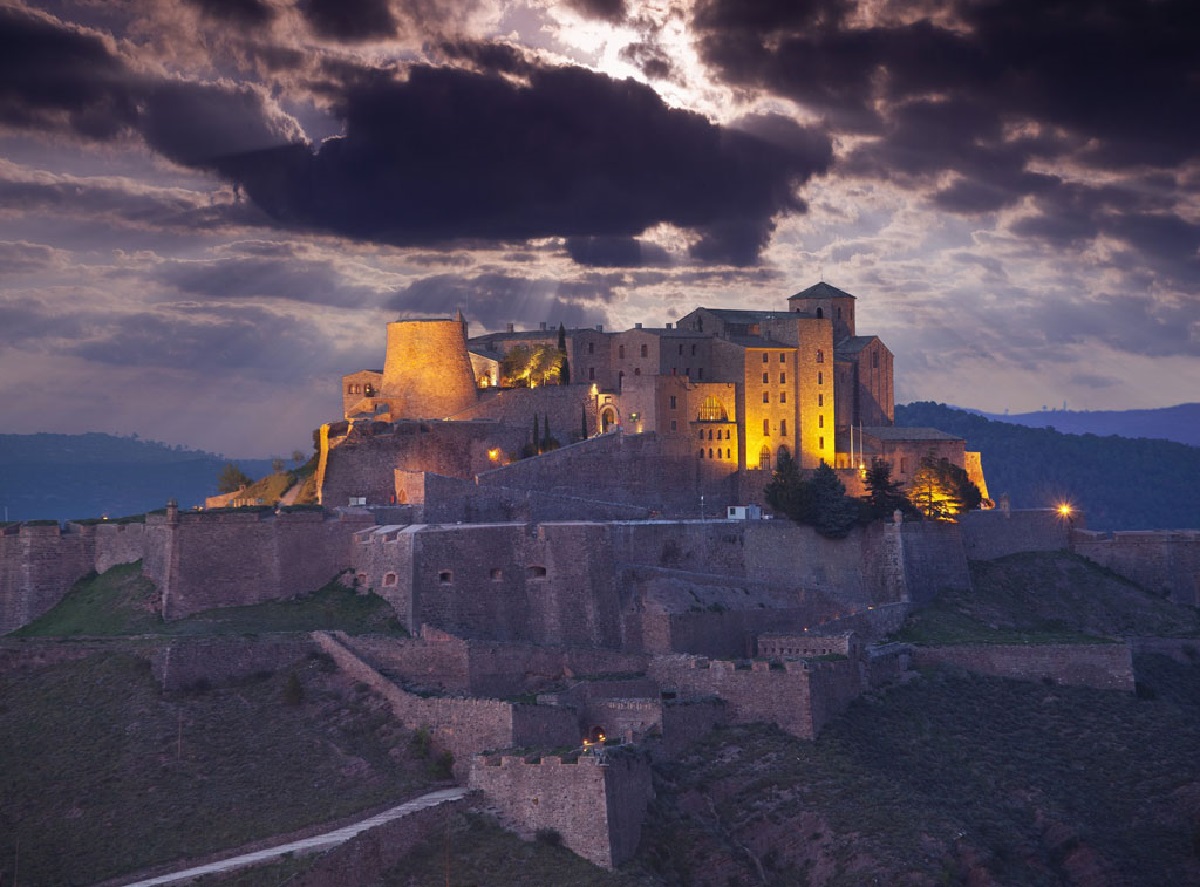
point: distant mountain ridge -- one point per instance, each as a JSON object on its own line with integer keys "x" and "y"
{"x": 69, "y": 476}
{"x": 1180, "y": 423}
{"x": 1120, "y": 483}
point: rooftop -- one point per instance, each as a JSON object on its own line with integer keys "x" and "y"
{"x": 821, "y": 290}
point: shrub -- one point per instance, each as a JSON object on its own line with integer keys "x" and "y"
{"x": 293, "y": 690}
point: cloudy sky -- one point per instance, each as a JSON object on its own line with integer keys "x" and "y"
{"x": 210, "y": 208}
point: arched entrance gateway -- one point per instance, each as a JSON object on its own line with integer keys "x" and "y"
{"x": 608, "y": 418}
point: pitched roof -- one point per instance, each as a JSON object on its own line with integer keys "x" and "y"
{"x": 896, "y": 433}
{"x": 853, "y": 344}
{"x": 821, "y": 290}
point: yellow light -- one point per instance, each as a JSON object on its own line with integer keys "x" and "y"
{"x": 493, "y": 455}
{"x": 1065, "y": 509}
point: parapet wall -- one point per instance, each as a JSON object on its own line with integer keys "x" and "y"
{"x": 38, "y": 566}
{"x": 461, "y": 726}
{"x": 987, "y": 535}
{"x": 1103, "y": 666}
{"x": 597, "y": 804}
{"x": 1166, "y": 562}
{"x": 203, "y": 560}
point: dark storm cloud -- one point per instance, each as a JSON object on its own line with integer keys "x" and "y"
{"x": 349, "y": 20}
{"x": 285, "y": 277}
{"x": 451, "y": 154}
{"x": 496, "y": 299}
{"x": 651, "y": 59}
{"x": 612, "y": 11}
{"x": 615, "y": 252}
{"x": 1117, "y": 80}
{"x": 243, "y": 13}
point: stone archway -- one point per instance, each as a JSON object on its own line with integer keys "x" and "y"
{"x": 596, "y": 735}
{"x": 608, "y": 418}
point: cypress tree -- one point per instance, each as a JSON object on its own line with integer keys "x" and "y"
{"x": 545, "y": 432}
{"x": 583, "y": 422}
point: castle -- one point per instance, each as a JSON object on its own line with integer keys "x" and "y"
{"x": 611, "y": 584}
{"x": 719, "y": 396}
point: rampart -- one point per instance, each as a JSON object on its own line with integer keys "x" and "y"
{"x": 461, "y": 726}
{"x": 1103, "y": 666}
{"x": 38, "y": 565}
{"x": 191, "y": 662}
{"x": 987, "y": 535}
{"x": 1163, "y": 561}
{"x": 203, "y": 560}
{"x": 871, "y": 624}
{"x": 799, "y": 696}
{"x": 934, "y": 558}
{"x": 597, "y": 804}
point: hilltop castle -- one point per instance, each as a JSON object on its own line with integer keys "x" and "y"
{"x": 719, "y": 396}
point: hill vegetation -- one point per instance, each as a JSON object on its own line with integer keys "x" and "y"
{"x": 1120, "y": 483}
{"x": 68, "y": 476}
{"x": 1180, "y": 423}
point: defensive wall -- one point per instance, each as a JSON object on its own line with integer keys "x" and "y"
{"x": 1103, "y": 666}
{"x": 1183, "y": 650}
{"x": 1166, "y": 562}
{"x": 871, "y": 624}
{"x": 459, "y": 725}
{"x": 934, "y": 558}
{"x": 597, "y": 804}
{"x": 202, "y": 560}
{"x": 997, "y": 532}
{"x": 799, "y": 696}
{"x": 39, "y": 562}
{"x": 181, "y": 663}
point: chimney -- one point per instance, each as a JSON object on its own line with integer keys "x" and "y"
{"x": 599, "y": 327}
{"x": 508, "y": 328}
{"x": 543, "y": 326}
{"x": 670, "y": 325}
{"x": 637, "y": 326}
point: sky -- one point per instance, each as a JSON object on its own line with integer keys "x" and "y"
{"x": 209, "y": 209}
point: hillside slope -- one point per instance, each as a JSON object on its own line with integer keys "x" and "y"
{"x": 1180, "y": 423}
{"x": 1120, "y": 483}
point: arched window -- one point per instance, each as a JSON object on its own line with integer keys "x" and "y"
{"x": 700, "y": 452}
{"x": 536, "y": 572}
{"x": 713, "y": 410}
{"x": 637, "y": 371}
{"x": 710, "y": 434}
{"x": 389, "y": 579}
{"x": 764, "y": 458}
{"x": 720, "y": 454}
{"x": 820, "y": 313}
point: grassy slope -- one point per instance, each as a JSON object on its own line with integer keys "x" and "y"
{"x": 120, "y": 602}
{"x": 94, "y": 784}
{"x": 1044, "y": 597}
{"x": 947, "y": 774}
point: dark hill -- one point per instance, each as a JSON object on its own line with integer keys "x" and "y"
{"x": 65, "y": 476}
{"x": 1180, "y": 423}
{"x": 1120, "y": 483}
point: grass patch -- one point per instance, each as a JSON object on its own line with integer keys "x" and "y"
{"x": 481, "y": 852}
{"x": 102, "y": 774}
{"x": 122, "y": 602}
{"x": 1045, "y": 597}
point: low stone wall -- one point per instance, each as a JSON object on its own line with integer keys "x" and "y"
{"x": 597, "y": 805}
{"x": 364, "y": 858}
{"x": 183, "y": 663}
{"x": 1103, "y": 666}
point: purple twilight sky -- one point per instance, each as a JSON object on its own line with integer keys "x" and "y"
{"x": 210, "y": 208}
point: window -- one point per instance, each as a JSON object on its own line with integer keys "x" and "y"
{"x": 637, "y": 371}
{"x": 673, "y": 404}
{"x": 766, "y": 427}
{"x": 701, "y": 434}
{"x": 720, "y": 454}
{"x": 700, "y": 452}
{"x": 389, "y": 579}
{"x": 766, "y": 378}
{"x": 820, "y": 313}
{"x": 445, "y": 577}
{"x": 875, "y": 360}
{"x": 710, "y": 434}
{"x": 903, "y": 465}
{"x": 766, "y": 357}
{"x": 820, "y": 378}
{"x": 839, "y": 313}
{"x": 783, "y": 378}
{"x": 591, "y": 347}
{"x": 496, "y": 574}
{"x": 536, "y": 572}
{"x": 820, "y": 355}
{"x": 766, "y": 397}
{"x": 764, "y": 458}
{"x": 713, "y": 410}
{"x": 674, "y": 425}
{"x": 783, "y": 427}
{"x": 693, "y": 351}
{"x": 783, "y": 397}
{"x": 591, "y": 374}
{"x": 621, "y": 352}
{"x": 710, "y": 455}
{"x": 820, "y": 443}
{"x": 645, "y": 351}
{"x": 681, "y": 350}
{"x": 820, "y": 400}
{"x": 820, "y": 421}
{"x": 700, "y": 373}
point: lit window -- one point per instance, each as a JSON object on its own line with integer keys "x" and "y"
{"x": 713, "y": 410}
{"x": 783, "y": 427}
{"x": 766, "y": 427}
{"x": 820, "y": 356}
{"x": 766, "y": 397}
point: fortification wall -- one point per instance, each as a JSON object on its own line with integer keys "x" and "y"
{"x": 202, "y": 560}
{"x": 685, "y": 721}
{"x": 1103, "y": 666}
{"x": 364, "y": 858}
{"x": 788, "y": 696}
{"x": 451, "y": 500}
{"x": 596, "y": 805}
{"x": 460, "y": 726}
{"x": 1163, "y": 561}
{"x": 178, "y": 664}
{"x": 871, "y": 624}
{"x": 427, "y": 373}
{"x": 933, "y": 559}
{"x": 987, "y": 535}
{"x": 38, "y": 566}
{"x": 564, "y": 406}
{"x": 118, "y": 544}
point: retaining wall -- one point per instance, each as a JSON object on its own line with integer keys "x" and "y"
{"x": 1163, "y": 561}
{"x": 1103, "y": 666}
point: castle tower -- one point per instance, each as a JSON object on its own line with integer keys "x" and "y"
{"x": 427, "y": 372}
{"x": 827, "y": 303}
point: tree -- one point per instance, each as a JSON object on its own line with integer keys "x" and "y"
{"x": 564, "y": 367}
{"x": 583, "y": 428}
{"x": 834, "y": 513}
{"x": 298, "y": 457}
{"x": 231, "y": 479}
{"x": 276, "y": 465}
{"x": 940, "y": 489}
{"x": 884, "y": 495}
{"x": 788, "y": 493}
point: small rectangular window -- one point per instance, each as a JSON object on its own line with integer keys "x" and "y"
{"x": 674, "y": 425}
{"x": 783, "y": 397}
{"x": 783, "y": 378}
{"x": 673, "y": 404}
{"x": 820, "y": 400}
{"x": 766, "y": 378}
{"x": 820, "y": 443}
{"x": 681, "y": 350}
{"x": 591, "y": 347}
{"x": 591, "y": 374}
{"x": 700, "y": 373}
{"x": 766, "y": 357}
{"x": 783, "y": 427}
{"x": 766, "y": 427}
{"x": 693, "y": 351}
{"x": 766, "y": 397}
{"x": 782, "y": 358}
{"x": 820, "y": 378}
{"x": 820, "y": 421}
{"x": 445, "y": 577}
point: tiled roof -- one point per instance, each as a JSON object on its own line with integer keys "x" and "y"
{"x": 853, "y": 344}
{"x": 821, "y": 290}
{"x": 896, "y": 433}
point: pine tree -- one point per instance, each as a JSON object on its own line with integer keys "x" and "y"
{"x": 546, "y": 432}
{"x": 834, "y": 513}
{"x": 884, "y": 495}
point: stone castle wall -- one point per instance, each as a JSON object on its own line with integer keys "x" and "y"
{"x": 38, "y": 566}
{"x": 1103, "y": 666}
{"x": 427, "y": 373}
{"x": 597, "y": 805}
{"x": 178, "y": 664}
{"x": 461, "y": 726}
{"x": 934, "y": 558}
{"x": 1162, "y": 561}
{"x": 987, "y": 535}
{"x": 203, "y": 560}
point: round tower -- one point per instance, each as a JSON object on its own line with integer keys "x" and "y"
{"x": 427, "y": 372}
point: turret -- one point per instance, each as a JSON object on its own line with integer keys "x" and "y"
{"x": 427, "y": 373}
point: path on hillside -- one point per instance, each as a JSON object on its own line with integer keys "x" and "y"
{"x": 292, "y": 493}
{"x": 308, "y": 845}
